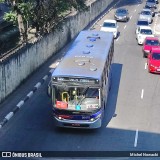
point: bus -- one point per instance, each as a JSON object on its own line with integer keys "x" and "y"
{"x": 80, "y": 84}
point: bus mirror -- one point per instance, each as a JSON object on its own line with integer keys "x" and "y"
{"x": 49, "y": 91}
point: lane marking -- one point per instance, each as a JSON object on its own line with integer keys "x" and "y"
{"x": 145, "y": 67}
{"x": 45, "y": 77}
{"x": 142, "y": 93}
{"x": 136, "y": 138}
{"x": 135, "y": 10}
{"x": 131, "y": 17}
{"x": 125, "y": 26}
{"x": 138, "y": 4}
{"x": 9, "y": 116}
{"x": 20, "y": 104}
{"x": 30, "y": 94}
{"x": 38, "y": 85}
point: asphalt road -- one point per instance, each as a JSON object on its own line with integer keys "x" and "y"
{"x": 133, "y": 100}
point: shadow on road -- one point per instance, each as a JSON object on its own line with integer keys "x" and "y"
{"x": 112, "y": 98}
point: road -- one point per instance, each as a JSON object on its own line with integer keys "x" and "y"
{"x": 134, "y": 101}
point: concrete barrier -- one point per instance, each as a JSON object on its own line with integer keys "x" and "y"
{"x": 17, "y": 67}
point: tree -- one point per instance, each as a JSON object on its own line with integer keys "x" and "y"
{"x": 47, "y": 13}
{"x": 20, "y": 14}
{"x": 44, "y": 15}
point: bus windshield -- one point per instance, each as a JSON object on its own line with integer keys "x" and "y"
{"x": 76, "y": 98}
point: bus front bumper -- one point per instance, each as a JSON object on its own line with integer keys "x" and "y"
{"x": 78, "y": 123}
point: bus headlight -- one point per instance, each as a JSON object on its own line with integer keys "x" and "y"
{"x": 93, "y": 119}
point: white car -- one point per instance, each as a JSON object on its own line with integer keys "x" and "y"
{"x": 110, "y": 26}
{"x": 146, "y": 14}
{"x": 142, "y": 32}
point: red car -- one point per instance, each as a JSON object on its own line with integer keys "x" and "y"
{"x": 154, "y": 60}
{"x": 149, "y": 43}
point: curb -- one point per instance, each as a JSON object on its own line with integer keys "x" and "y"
{"x": 28, "y": 96}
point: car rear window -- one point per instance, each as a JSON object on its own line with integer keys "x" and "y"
{"x": 146, "y": 13}
{"x": 121, "y": 11}
{"x": 156, "y": 56}
{"x": 108, "y": 24}
{"x": 151, "y": 1}
{"x": 152, "y": 42}
{"x": 142, "y": 23}
{"x": 146, "y": 31}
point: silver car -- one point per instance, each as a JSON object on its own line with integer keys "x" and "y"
{"x": 146, "y": 14}
{"x": 121, "y": 14}
{"x": 151, "y": 9}
{"x": 151, "y": 3}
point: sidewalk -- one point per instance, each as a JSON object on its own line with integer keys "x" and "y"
{"x": 156, "y": 26}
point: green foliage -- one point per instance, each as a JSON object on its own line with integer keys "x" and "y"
{"x": 26, "y": 10}
{"x": 42, "y": 14}
{"x": 11, "y": 17}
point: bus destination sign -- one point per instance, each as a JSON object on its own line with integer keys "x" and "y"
{"x": 72, "y": 79}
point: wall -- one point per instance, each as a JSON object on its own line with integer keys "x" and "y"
{"x": 17, "y": 67}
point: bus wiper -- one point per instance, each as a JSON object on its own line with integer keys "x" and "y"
{"x": 80, "y": 101}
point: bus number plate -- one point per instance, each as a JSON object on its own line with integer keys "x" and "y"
{"x": 76, "y": 124}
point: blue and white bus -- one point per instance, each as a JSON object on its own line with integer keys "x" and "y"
{"x": 80, "y": 84}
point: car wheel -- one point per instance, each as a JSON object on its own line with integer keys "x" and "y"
{"x": 144, "y": 56}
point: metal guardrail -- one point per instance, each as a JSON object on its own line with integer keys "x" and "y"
{"x": 11, "y": 51}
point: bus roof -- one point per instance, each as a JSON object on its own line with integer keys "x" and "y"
{"x": 87, "y": 55}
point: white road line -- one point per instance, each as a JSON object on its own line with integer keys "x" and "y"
{"x": 30, "y": 94}
{"x": 117, "y": 39}
{"x": 135, "y": 10}
{"x": 38, "y": 85}
{"x": 136, "y": 138}
{"x": 142, "y": 93}
{"x": 131, "y": 17}
{"x": 20, "y": 104}
{"x": 125, "y": 26}
{"x": 9, "y": 116}
{"x": 45, "y": 77}
{"x": 138, "y": 4}
{"x": 145, "y": 67}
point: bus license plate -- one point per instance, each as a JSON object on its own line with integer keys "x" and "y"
{"x": 76, "y": 124}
